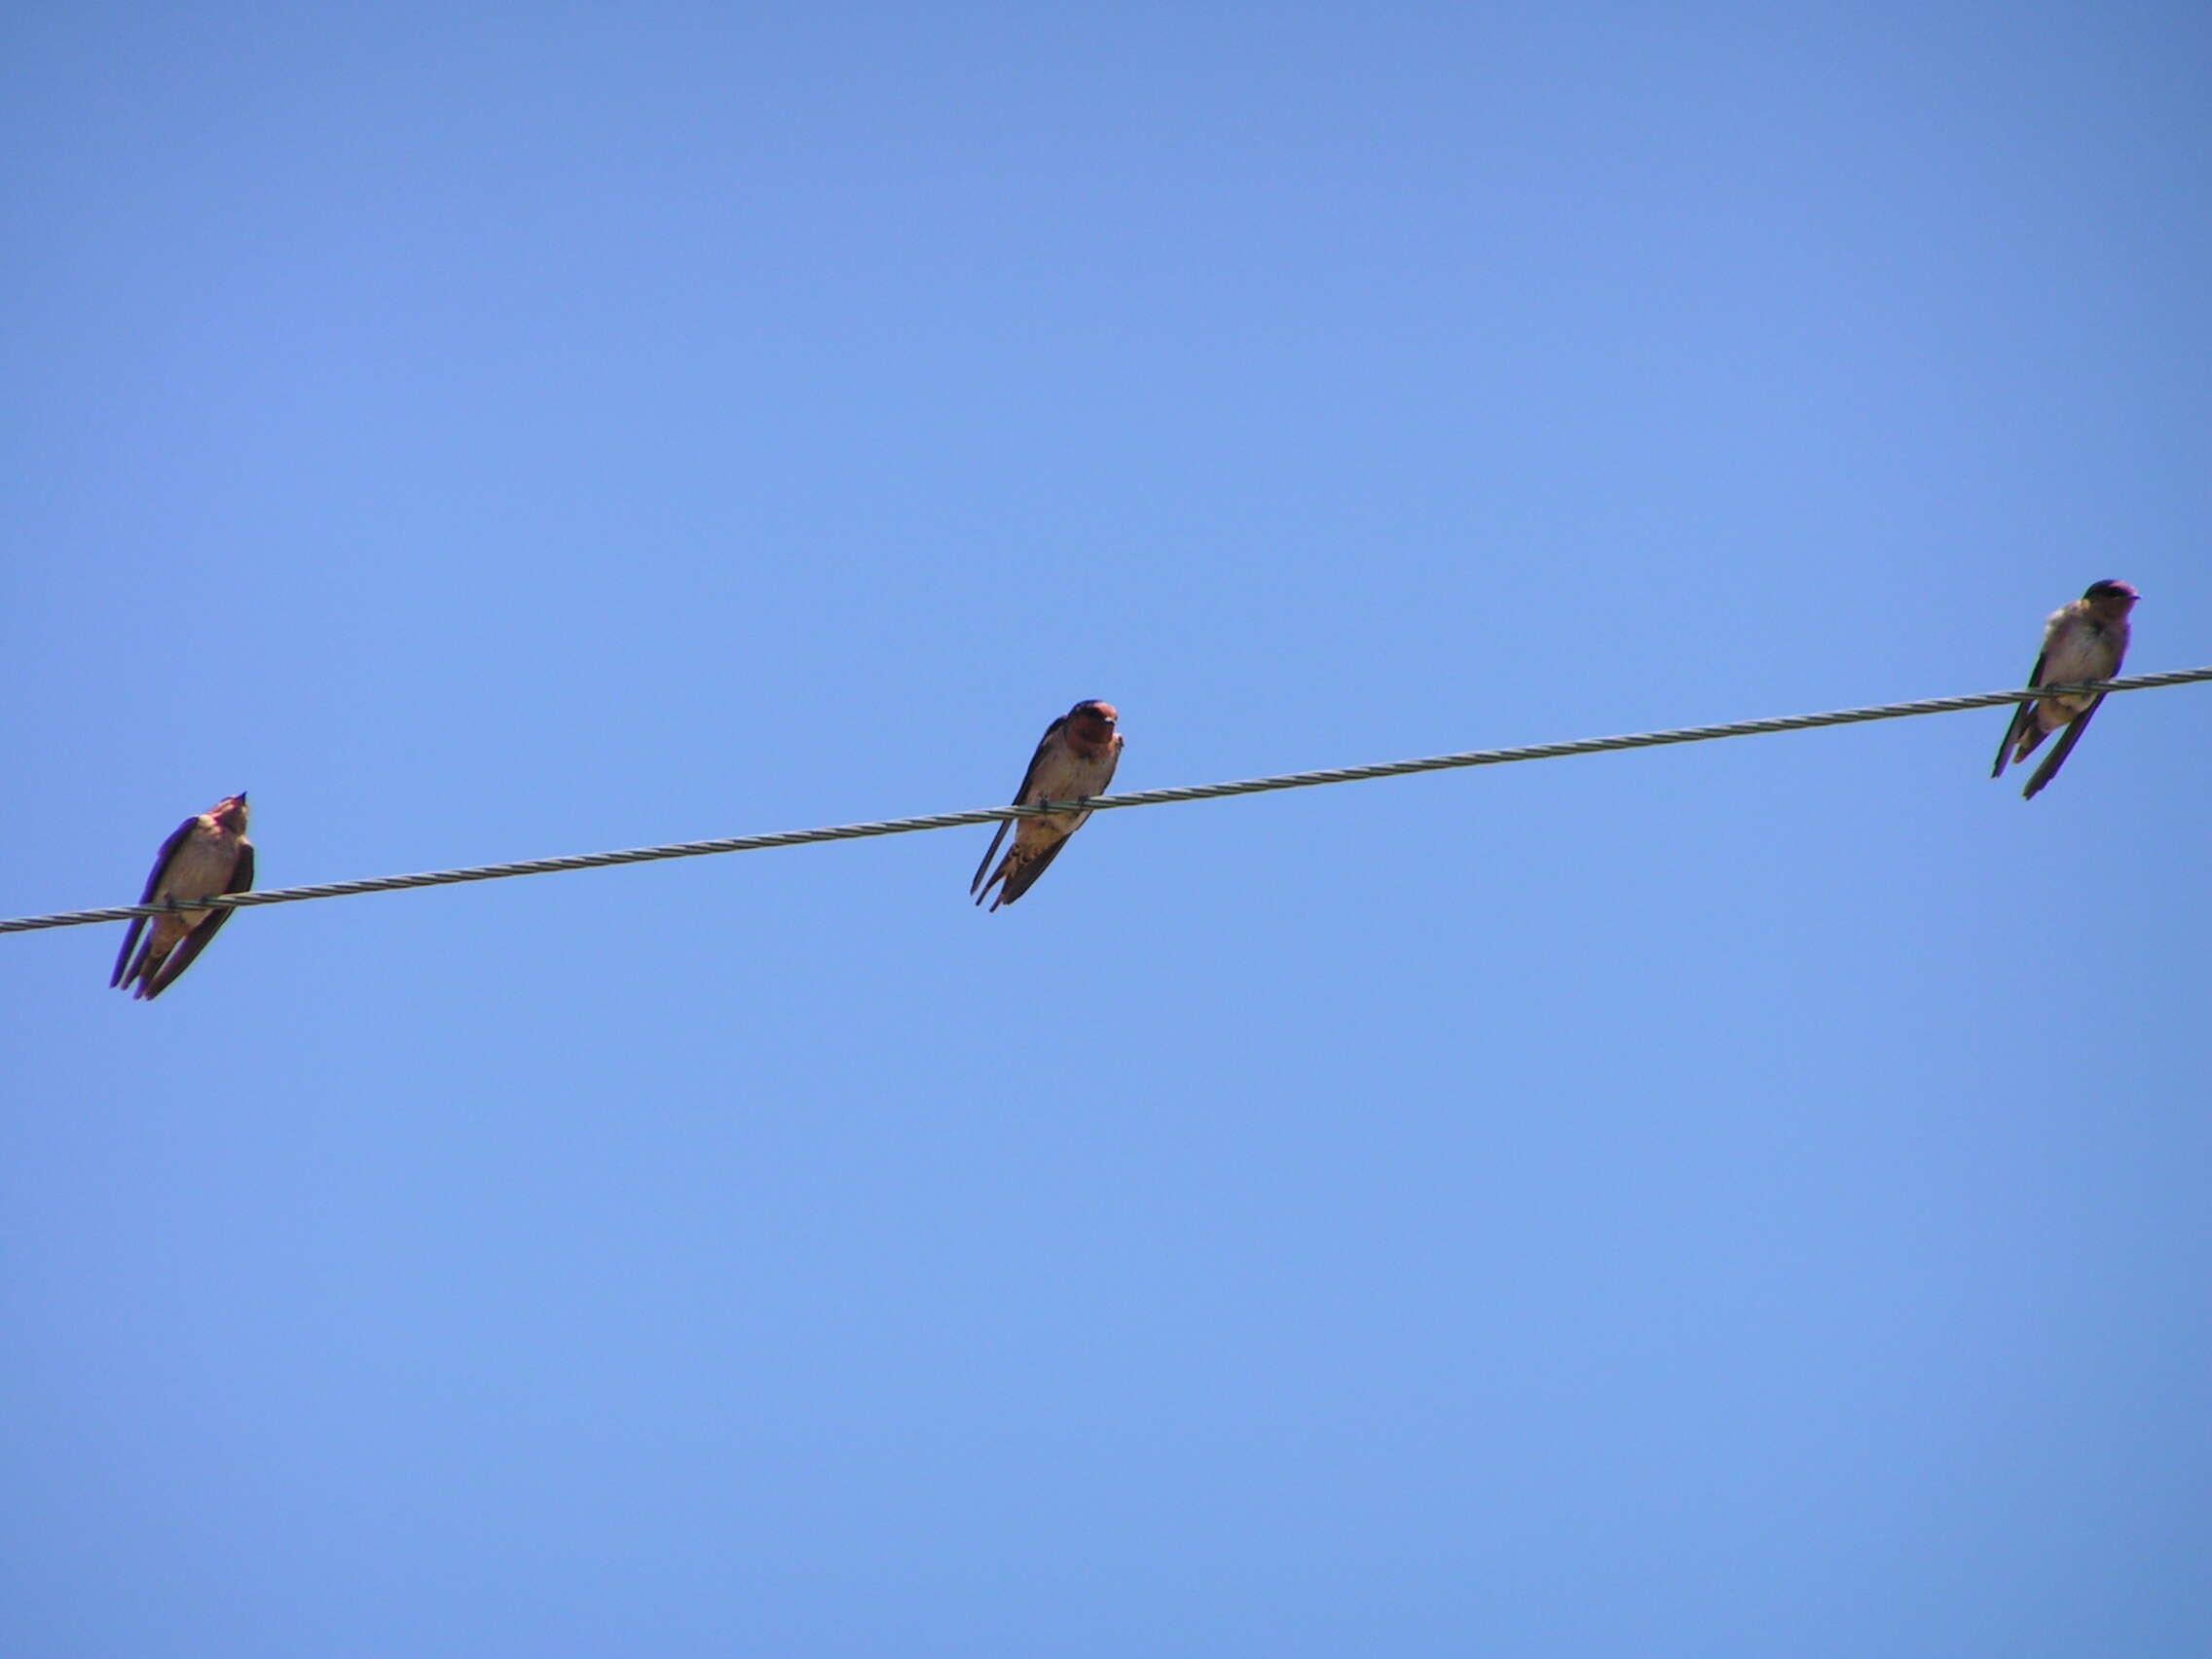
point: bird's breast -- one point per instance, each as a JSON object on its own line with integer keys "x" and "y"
{"x": 201, "y": 866}
{"x": 2084, "y": 653}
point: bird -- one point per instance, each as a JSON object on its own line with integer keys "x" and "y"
{"x": 1074, "y": 762}
{"x": 208, "y": 854}
{"x": 2085, "y": 640}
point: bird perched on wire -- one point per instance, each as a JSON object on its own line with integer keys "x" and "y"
{"x": 1075, "y": 760}
{"x": 208, "y": 854}
{"x": 2085, "y": 640}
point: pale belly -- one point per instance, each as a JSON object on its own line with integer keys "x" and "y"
{"x": 199, "y": 868}
{"x": 2075, "y": 657}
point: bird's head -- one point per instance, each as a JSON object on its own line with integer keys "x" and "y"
{"x": 1091, "y": 722}
{"x": 2111, "y": 600}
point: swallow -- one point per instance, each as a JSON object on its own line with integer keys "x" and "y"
{"x": 1074, "y": 761}
{"x": 2082, "y": 641}
{"x": 208, "y": 854}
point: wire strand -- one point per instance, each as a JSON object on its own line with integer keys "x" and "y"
{"x": 1110, "y": 803}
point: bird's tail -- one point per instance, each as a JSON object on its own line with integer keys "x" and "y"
{"x": 983, "y": 889}
{"x": 145, "y": 971}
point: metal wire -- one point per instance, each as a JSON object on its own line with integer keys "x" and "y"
{"x": 1109, "y": 803}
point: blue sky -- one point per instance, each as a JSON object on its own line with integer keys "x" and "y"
{"x": 1736, "y": 1200}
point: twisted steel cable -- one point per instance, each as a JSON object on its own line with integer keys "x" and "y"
{"x": 1109, "y": 803}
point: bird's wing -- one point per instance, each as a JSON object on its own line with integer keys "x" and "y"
{"x": 1025, "y": 879}
{"x": 153, "y": 885}
{"x": 2023, "y": 716}
{"x": 1020, "y": 798}
{"x": 194, "y": 942}
{"x": 2067, "y": 739}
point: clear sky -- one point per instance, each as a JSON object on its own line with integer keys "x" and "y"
{"x": 1739, "y": 1199}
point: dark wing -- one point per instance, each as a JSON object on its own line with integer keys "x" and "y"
{"x": 194, "y": 942}
{"x": 1025, "y": 879}
{"x": 2023, "y": 717}
{"x": 2067, "y": 739}
{"x": 153, "y": 883}
{"x": 1020, "y": 798}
